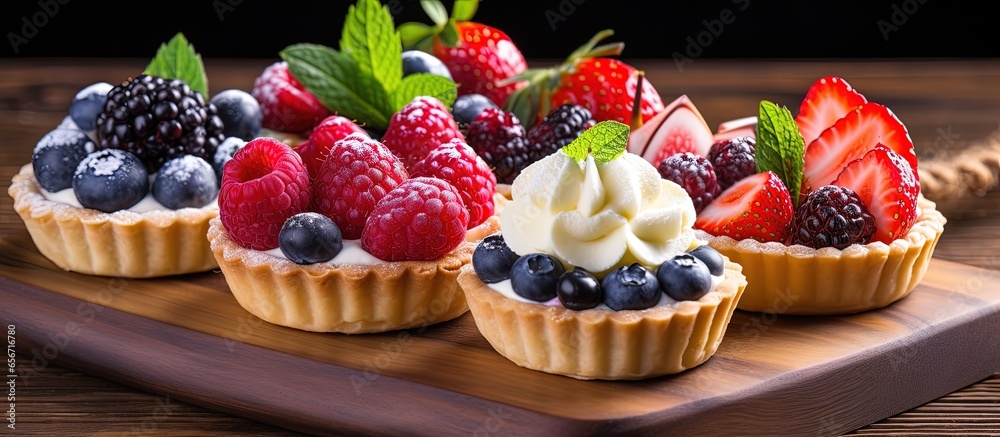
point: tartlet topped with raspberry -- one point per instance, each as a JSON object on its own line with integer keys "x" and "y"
{"x": 364, "y": 245}
{"x": 823, "y": 210}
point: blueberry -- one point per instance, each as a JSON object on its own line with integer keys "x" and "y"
{"x": 711, "y": 257}
{"x": 631, "y": 288}
{"x": 110, "y": 180}
{"x": 534, "y": 276}
{"x": 468, "y": 106}
{"x": 579, "y": 290}
{"x": 224, "y": 153}
{"x": 186, "y": 181}
{"x": 309, "y": 238}
{"x": 240, "y": 113}
{"x": 493, "y": 259}
{"x": 88, "y": 103}
{"x": 684, "y": 277}
{"x": 416, "y": 61}
{"x": 56, "y": 156}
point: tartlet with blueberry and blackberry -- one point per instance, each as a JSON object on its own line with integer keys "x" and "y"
{"x": 126, "y": 185}
{"x": 597, "y": 258}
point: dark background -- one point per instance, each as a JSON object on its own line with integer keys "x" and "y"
{"x": 759, "y": 29}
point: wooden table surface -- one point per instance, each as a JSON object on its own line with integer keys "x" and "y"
{"x": 946, "y": 104}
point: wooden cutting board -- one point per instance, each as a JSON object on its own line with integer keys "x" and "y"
{"x": 187, "y": 337}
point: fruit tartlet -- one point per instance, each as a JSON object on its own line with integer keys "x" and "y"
{"x": 822, "y": 210}
{"x": 126, "y": 185}
{"x": 359, "y": 245}
{"x": 596, "y": 272}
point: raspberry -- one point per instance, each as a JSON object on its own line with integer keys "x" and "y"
{"x": 418, "y": 128}
{"x": 695, "y": 174}
{"x": 315, "y": 149}
{"x": 733, "y": 160}
{"x": 559, "y": 128}
{"x": 419, "y": 220}
{"x": 285, "y": 104}
{"x": 500, "y": 139}
{"x": 262, "y": 186}
{"x": 357, "y": 174}
{"x": 832, "y": 216}
{"x": 458, "y": 164}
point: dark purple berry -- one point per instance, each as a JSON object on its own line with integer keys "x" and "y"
{"x": 110, "y": 180}
{"x": 57, "y": 155}
{"x": 711, "y": 257}
{"x": 224, "y": 153}
{"x": 832, "y": 216}
{"x": 534, "y": 276}
{"x": 88, "y": 103}
{"x": 560, "y": 127}
{"x": 309, "y": 238}
{"x": 499, "y": 138}
{"x": 468, "y": 106}
{"x": 733, "y": 160}
{"x": 493, "y": 259}
{"x": 416, "y": 61}
{"x": 186, "y": 181}
{"x": 631, "y": 288}
{"x": 578, "y": 290}
{"x": 239, "y": 113}
{"x": 695, "y": 174}
{"x": 684, "y": 277}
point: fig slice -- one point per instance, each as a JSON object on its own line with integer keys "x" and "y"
{"x": 678, "y": 128}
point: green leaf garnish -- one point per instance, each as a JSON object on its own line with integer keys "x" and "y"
{"x": 780, "y": 146}
{"x": 177, "y": 59}
{"x": 370, "y": 38}
{"x": 605, "y": 141}
{"x": 413, "y": 33}
{"x": 425, "y": 84}
{"x": 338, "y": 83}
{"x": 464, "y": 10}
{"x": 435, "y": 10}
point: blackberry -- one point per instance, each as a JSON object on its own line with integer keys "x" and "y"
{"x": 558, "y": 129}
{"x": 832, "y": 216}
{"x": 499, "y": 138}
{"x": 693, "y": 173}
{"x": 733, "y": 159}
{"x": 157, "y": 119}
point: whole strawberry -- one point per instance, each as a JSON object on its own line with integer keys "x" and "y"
{"x": 357, "y": 173}
{"x": 420, "y": 220}
{"x": 285, "y": 103}
{"x": 457, "y": 163}
{"x": 479, "y": 57}
{"x": 422, "y": 125}
{"x": 606, "y": 87}
{"x": 264, "y": 184}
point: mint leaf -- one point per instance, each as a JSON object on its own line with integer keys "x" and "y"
{"x": 370, "y": 38}
{"x": 780, "y": 146}
{"x": 177, "y": 59}
{"x": 424, "y": 84}
{"x": 464, "y": 10}
{"x": 606, "y": 141}
{"x": 338, "y": 83}
{"x": 435, "y": 10}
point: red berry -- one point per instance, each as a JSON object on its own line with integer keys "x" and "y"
{"x": 458, "y": 164}
{"x": 418, "y": 128}
{"x": 332, "y": 129}
{"x": 262, "y": 186}
{"x": 420, "y": 220}
{"x": 734, "y": 159}
{"x": 693, "y": 173}
{"x": 757, "y": 207}
{"x": 829, "y": 99}
{"x": 606, "y": 87}
{"x": 889, "y": 188}
{"x": 483, "y": 57}
{"x": 832, "y": 216}
{"x": 499, "y": 137}
{"x": 357, "y": 174}
{"x": 285, "y": 103}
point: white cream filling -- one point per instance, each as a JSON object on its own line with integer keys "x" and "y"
{"x": 352, "y": 253}
{"x": 504, "y": 288}
{"x": 147, "y": 204}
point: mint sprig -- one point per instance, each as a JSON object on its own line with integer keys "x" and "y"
{"x": 177, "y": 59}
{"x": 605, "y": 141}
{"x": 364, "y": 79}
{"x": 780, "y": 147}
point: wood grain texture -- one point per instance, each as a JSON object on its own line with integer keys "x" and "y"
{"x": 944, "y": 104}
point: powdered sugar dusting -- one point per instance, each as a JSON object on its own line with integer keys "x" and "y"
{"x": 63, "y": 137}
{"x": 100, "y": 88}
{"x": 182, "y": 168}
{"x": 104, "y": 163}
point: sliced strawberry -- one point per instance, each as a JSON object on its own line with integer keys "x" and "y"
{"x": 757, "y": 207}
{"x": 828, "y": 100}
{"x": 888, "y": 186}
{"x": 849, "y": 139}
